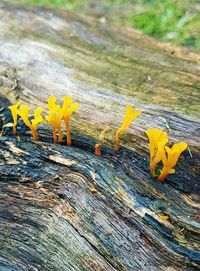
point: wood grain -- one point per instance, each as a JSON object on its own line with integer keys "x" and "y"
{"x": 63, "y": 208}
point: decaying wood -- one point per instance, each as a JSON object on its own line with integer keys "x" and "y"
{"x": 63, "y": 208}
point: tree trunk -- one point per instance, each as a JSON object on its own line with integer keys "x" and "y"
{"x": 63, "y": 208}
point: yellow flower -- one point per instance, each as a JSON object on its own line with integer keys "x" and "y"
{"x": 170, "y": 158}
{"x": 13, "y": 109}
{"x": 23, "y": 113}
{"x": 68, "y": 108}
{"x": 55, "y": 118}
{"x": 130, "y": 115}
{"x": 157, "y": 140}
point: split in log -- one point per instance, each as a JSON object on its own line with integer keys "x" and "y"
{"x": 63, "y": 208}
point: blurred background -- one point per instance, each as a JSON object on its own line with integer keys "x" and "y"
{"x": 172, "y": 21}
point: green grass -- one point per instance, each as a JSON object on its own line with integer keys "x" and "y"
{"x": 176, "y": 21}
{"x": 173, "y": 21}
{"x": 65, "y": 4}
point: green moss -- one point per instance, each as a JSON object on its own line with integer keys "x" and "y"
{"x": 117, "y": 79}
{"x": 119, "y": 76}
{"x": 174, "y": 21}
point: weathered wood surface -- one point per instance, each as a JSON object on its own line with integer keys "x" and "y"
{"x": 63, "y": 208}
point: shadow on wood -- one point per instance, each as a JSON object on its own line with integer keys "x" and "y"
{"x": 63, "y": 208}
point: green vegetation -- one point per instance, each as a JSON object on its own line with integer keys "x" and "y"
{"x": 66, "y": 4}
{"x": 176, "y": 21}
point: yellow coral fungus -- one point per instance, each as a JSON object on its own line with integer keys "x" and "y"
{"x": 101, "y": 138}
{"x": 68, "y": 108}
{"x": 13, "y": 109}
{"x": 170, "y": 158}
{"x": 157, "y": 140}
{"x": 130, "y": 115}
{"x": 54, "y": 118}
{"x": 23, "y": 113}
{"x": 57, "y": 114}
{"x": 98, "y": 149}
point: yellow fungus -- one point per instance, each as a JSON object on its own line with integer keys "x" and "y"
{"x": 23, "y": 113}
{"x": 52, "y": 103}
{"x": 158, "y": 151}
{"x": 164, "y": 217}
{"x": 98, "y": 149}
{"x": 170, "y": 158}
{"x": 57, "y": 114}
{"x": 130, "y": 115}
{"x": 101, "y": 138}
{"x": 55, "y": 118}
{"x": 14, "y": 112}
{"x": 157, "y": 140}
{"x": 68, "y": 108}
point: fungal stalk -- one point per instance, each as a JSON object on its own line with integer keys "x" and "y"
{"x": 130, "y": 115}
{"x": 98, "y": 149}
{"x": 101, "y": 141}
{"x": 68, "y": 108}
{"x": 55, "y": 118}
{"x": 23, "y": 113}
{"x": 170, "y": 158}
{"x": 14, "y": 112}
{"x": 157, "y": 141}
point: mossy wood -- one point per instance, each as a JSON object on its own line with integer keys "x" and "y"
{"x": 63, "y": 208}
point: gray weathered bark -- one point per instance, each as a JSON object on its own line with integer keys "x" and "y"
{"x": 63, "y": 208}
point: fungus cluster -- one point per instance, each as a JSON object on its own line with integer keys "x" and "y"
{"x": 160, "y": 152}
{"x": 58, "y": 114}
{"x": 23, "y": 112}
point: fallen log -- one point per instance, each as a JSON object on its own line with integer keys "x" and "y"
{"x": 63, "y": 208}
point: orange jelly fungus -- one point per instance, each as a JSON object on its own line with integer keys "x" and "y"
{"x": 101, "y": 139}
{"x": 169, "y": 158}
{"x": 23, "y": 113}
{"x": 14, "y": 110}
{"x": 57, "y": 114}
{"x": 130, "y": 115}
{"x": 54, "y": 118}
{"x": 157, "y": 140}
{"x": 69, "y": 106}
{"x": 98, "y": 149}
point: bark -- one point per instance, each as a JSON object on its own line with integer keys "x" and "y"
{"x": 63, "y": 208}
